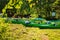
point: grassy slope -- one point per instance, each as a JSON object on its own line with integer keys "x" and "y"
{"x": 20, "y": 32}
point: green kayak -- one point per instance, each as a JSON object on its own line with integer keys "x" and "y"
{"x": 37, "y": 22}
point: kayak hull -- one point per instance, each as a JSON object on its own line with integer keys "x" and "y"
{"x": 32, "y": 24}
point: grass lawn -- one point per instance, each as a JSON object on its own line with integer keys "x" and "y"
{"x": 20, "y": 32}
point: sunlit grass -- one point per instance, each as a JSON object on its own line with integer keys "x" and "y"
{"x": 21, "y": 32}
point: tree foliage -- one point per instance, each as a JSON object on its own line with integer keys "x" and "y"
{"x": 43, "y": 8}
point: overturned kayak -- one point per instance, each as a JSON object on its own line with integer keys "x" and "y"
{"x": 38, "y": 22}
{"x": 50, "y": 26}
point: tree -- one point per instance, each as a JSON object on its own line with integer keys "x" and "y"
{"x": 42, "y": 8}
{"x": 2, "y": 4}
